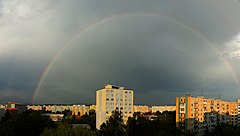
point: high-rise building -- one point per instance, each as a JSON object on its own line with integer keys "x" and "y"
{"x": 113, "y": 98}
{"x": 199, "y": 114}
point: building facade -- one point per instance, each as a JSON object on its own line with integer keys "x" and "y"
{"x": 161, "y": 109}
{"x": 80, "y": 110}
{"x": 199, "y": 114}
{"x": 141, "y": 108}
{"x": 113, "y": 98}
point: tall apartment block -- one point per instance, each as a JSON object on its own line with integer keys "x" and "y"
{"x": 199, "y": 114}
{"x": 113, "y": 98}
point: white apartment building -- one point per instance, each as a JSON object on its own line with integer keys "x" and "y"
{"x": 113, "y": 98}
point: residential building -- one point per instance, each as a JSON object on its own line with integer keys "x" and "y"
{"x": 15, "y": 106}
{"x": 35, "y": 107}
{"x": 199, "y": 114}
{"x": 93, "y": 107}
{"x": 141, "y": 108}
{"x": 113, "y": 98}
{"x": 163, "y": 108}
{"x": 80, "y": 110}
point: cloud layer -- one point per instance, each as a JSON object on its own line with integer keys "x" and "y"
{"x": 158, "y": 48}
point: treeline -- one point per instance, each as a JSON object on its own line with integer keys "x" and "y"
{"x": 35, "y": 123}
{"x": 139, "y": 126}
{"x": 29, "y": 123}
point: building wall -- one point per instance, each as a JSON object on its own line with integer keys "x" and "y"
{"x": 141, "y": 108}
{"x": 80, "y": 109}
{"x": 113, "y": 98}
{"x": 199, "y": 114}
{"x": 35, "y": 107}
{"x": 93, "y": 107}
{"x": 163, "y": 108}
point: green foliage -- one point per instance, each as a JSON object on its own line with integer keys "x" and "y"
{"x": 144, "y": 127}
{"x": 29, "y": 123}
{"x": 85, "y": 119}
{"x": 138, "y": 125}
{"x": 114, "y": 126}
{"x": 65, "y": 130}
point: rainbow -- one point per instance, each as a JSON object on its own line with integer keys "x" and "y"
{"x": 122, "y": 16}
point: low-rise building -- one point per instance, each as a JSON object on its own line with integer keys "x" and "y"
{"x": 35, "y": 107}
{"x": 80, "y": 110}
{"x": 141, "y": 108}
{"x": 163, "y": 108}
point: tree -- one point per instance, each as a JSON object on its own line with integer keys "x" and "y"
{"x": 29, "y": 123}
{"x": 114, "y": 126}
{"x": 65, "y": 130}
{"x": 139, "y": 125}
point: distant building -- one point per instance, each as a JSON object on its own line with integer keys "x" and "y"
{"x": 2, "y": 106}
{"x": 113, "y": 98}
{"x": 198, "y": 114}
{"x": 15, "y": 105}
{"x": 61, "y": 108}
{"x": 80, "y": 110}
{"x": 141, "y": 108}
{"x": 35, "y": 107}
{"x": 163, "y": 108}
{"x": 48, "y": 108}
{"x": 92, "y": 107}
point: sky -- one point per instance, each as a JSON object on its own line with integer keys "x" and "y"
{"x": 62, "y": 51}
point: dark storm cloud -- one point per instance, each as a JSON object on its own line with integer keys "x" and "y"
{"x": 158, "y": 57}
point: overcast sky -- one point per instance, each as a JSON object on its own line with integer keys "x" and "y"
{"x": 67, "y": 49}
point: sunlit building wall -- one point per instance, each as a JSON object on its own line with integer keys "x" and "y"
{"x": 162, "y": 108}
{"x": 141, "y": 108}
{"x": 35, "y": 107}
{"x": 92, "y": 107}
{"x": 113, "y": 98}
{"x": 80, "y": 110}
{"x": 198, "y": 114}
